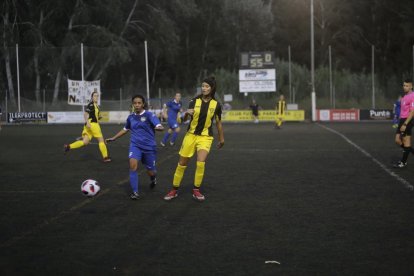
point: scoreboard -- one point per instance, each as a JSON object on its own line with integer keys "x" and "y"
{"x": 257, "y": 72}
{"x": 257, "y": 60}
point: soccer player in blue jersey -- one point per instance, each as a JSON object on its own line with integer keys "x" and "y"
{"x": 174, "y": 108}
{"x": 143, "y": 146}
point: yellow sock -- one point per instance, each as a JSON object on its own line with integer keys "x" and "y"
{"x": 178, "y": 175}
{"x": 76, "y": 145}
{"x": 102, "y": 148}
{"x": 199, "y": 174}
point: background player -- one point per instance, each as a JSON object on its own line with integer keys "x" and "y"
{"x": 143, "y": 146}
{"x": 174, "y": 107}
{"x": 280, "y": 111}
{"x": 396, "y": 111}
{"x": 255, "y": 110}
{"x": 405, "y": 125}
{"x": 91, "y": 129}
{"x": 203, "y": 109}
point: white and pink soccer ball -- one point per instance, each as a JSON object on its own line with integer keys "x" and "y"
{"x": 90, "y": 187}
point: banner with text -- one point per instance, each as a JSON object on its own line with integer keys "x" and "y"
{"x": 24, "y": 117}
{"x": 338, "y": 115}
{"x": 79, "y": 92}
{"x": 264, "y": 115}
{"x": 257, "y": 80}
{"x": 376, "y": 114}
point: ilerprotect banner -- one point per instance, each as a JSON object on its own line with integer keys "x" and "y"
{"x": 264, "y": 115}
{"x": 24, "y": 117}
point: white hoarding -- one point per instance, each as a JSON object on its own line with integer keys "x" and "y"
{"x": 257, "y": 80}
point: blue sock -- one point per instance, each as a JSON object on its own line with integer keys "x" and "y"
{"x": 133, "y": 180}
{"x": 174, "y": 137}
{"x": 166, "y": 136}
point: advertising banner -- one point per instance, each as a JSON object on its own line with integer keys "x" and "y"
{"x": 257, "y": 80}
{"x": 338, "y": 115}
{"x": 21, "y": 117}
{"x": 68, "y": 117}
{"x": 376, "y": 114}
{"x": 264, "y": 115}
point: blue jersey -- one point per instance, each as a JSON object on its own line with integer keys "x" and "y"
{"x": 173, "y": 109}
{"x": 142, "y": 129}
{"x": 397, "y": 108}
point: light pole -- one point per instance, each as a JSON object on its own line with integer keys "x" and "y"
{"x": 313, "y": 94}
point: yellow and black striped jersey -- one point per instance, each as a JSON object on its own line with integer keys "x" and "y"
{"x": 281, "y": 107}
{"x": 204, "y": 114}
{"x": 93, "y": 110}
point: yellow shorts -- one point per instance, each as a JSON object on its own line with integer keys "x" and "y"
{"x": 193, "y": 143}
{"x": 94, "y": 131}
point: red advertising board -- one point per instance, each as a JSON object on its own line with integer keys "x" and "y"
{"x": 343, "y": 115}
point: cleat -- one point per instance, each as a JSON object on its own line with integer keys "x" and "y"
{"x": 153, "y": 184}
{"x": 162, "y": 144}
{"x": 197, "y": 195}
{"x": 172, "y": 144}
{"x": 399, "y": 165}
{"x": 66, "y": 148}
{"x": 107, "y": 159}
{"x": 172, "y": 194}
{"x": 134, "y": 196}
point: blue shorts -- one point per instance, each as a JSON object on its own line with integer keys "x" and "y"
{"x": 172, "y": 124}
{"x": 147, "y": 157}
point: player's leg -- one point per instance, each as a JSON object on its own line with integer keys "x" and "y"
{"x": 187, "y": 151}
{"x": 134, "y": 156}
{"x": 166, "y": 137}
{"x": 86, "y": 138}
{"x": 149, "y": 160}
{"x": 203, "y": 148}
{"x": 175, "y": 135}
{"x": 406, "y": 144}
{"x": 97, "y": 133}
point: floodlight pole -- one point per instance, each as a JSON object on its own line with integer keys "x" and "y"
{"x": 290, "y": 75}
{"x": 313, "y": 94}
{"x": 18, "y": 77}
{"x": 83, "y": 80}
{"x": 146, "y": 69}
{"x": 373, "y": 74}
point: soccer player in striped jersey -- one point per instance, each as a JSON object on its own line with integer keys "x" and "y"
{"x": 203, "y": 110}
{"x": 143, "y": 146}
{"x": 174, "y": 107}
{"x": 280, "y": 111}
{"x": 405, "y": 125}
{"x": 91, "y": 129}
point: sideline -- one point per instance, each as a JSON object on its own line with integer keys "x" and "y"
{"x": 364, "y": 152}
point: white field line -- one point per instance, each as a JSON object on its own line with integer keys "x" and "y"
{"x": 373, "y": 159}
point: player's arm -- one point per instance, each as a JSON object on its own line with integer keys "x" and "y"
{"x": 156, "y": 123}
{"x": 220, "y": 133}
{"x": 190, "y": 110}
{"x": 86, "y": 118}
{"x": 219, "y": 127}
{"x": 121, "y": 133}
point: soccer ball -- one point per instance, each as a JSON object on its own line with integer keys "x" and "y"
{"x": 90, "y": 187}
